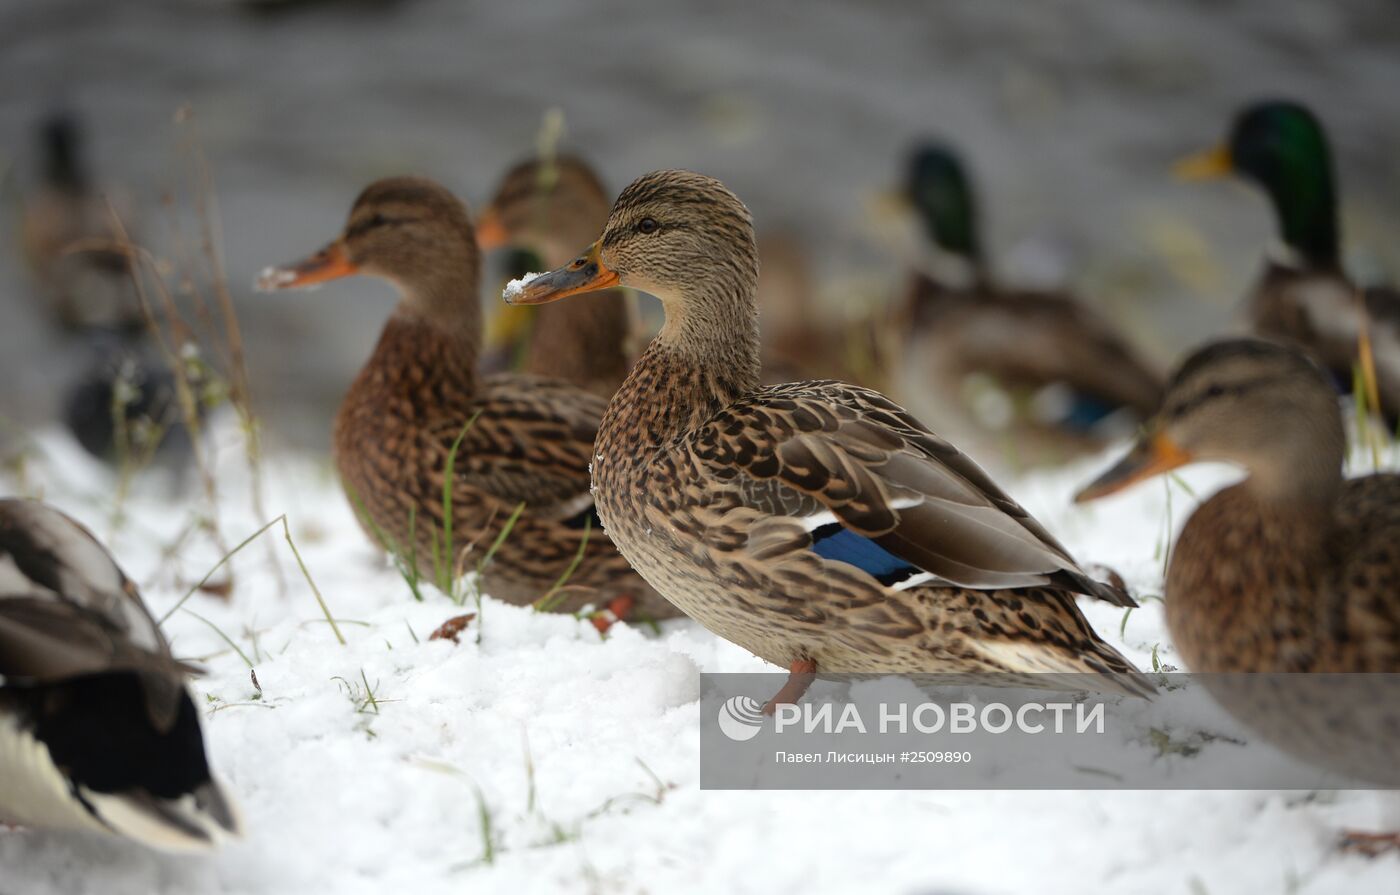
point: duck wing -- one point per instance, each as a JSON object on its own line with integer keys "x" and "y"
{"x": 532, "y": 441}
{"x": 870, "y": 486}
{"x": 67, "y": 610}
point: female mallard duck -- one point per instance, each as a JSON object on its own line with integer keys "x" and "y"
{"x": 515, "y": 439}
{"x": 97, "y": 731}
{"x": 1294, "y": 569}
{"x": 550, "y": 207}
{"x": 89, "y": 285}
{"x": 816, "y": 524}
{"x": 1041, "y": 370}
{"x": 65, "y": 227}
{"x": 1303, "y": 295}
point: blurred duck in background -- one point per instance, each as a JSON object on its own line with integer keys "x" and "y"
{"x": 97, "y": 729}
{"x": 801, "y": 340}
{"x": 69, "y": 240}
{"x": 514, "y": 448}
{"x": 548, "y": 207}
{"x": 1034, "y": 376}
{"x": 1294, "y": 569}
{"x": 1304, "y": 296}
{"x": 122, "y": 405}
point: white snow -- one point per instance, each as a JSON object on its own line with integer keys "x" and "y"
{"x": 270, "y": 279}
{"x": 575, "y": 757}
{"x": 515, "y": 287}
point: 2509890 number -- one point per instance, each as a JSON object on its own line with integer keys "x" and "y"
{"x": 940, "y": 757}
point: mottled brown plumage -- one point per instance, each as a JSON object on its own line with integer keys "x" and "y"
{"x": 1067, "y": 379}
{"x": 551, "y": 207}
{"x": 1293, "y": 569}
{"x": 729, "y": 497}
{"x": 524, "y": 439}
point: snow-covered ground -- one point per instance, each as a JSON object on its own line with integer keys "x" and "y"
{"x": 537, "y": 756}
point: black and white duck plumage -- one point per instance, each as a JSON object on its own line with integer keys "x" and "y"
{"x": 97, "y": 729}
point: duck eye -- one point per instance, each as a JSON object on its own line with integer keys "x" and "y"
{"x": 1215, "y": 391}
{"x": 377, "y": 220}
{"x": 648, "y": 225}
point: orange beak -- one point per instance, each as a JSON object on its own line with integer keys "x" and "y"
{"x": 1208, "y": 165}
{"x": 490, "y": 232}
{"x": 1153, "y": 454}
{"x": 585, "y": 273}
{"x": 331, "y": 263}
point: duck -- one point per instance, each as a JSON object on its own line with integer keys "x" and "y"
{"x": 121, "y": 402}
{"x": 1303, "y": 295}
{"x": 1032, "y": 372}
{"x": 799, "y": 341}
{"x": 123, "y": 406}
{"x": 549, "y": 206}
{"x": 1292, "y": 570}
{"x": 520, "y": 443}
{"x": 815, "y": 524}
{"x": 98, "y": 732}
{"x": 65, "y": 229}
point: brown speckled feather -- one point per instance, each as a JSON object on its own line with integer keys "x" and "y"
{"x": 524, "y": 439}
{"x": 710, "y": 485}
{"x": 1291, "y": 570}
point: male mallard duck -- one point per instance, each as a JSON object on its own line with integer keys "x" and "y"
{"x": 524, "y": 439}
{"x": 97, "y": 731}
{"x": 64, "y": 226}
{"x": 1303, "y": 295}
{"x": 551, "y": 206}
{"x": 1040, "y": 371}
{"x": 816, "y": 524}
{"x": 1292, "y": 570}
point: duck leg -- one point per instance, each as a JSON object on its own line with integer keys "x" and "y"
{"x": 617, "y": 610}
{"x": 800, "y": 676}
{"x": 1370, "y": 845}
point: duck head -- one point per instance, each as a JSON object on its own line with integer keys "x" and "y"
{"x": 682, "y": 237}
{"x": 410, "y": 231}
{"x": 1281, "y": 147}
{"x": 1259, "y": 405}
{"x": 549, "y": 206}
{"x": 936, "y": 186}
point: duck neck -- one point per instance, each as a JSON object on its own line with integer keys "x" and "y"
{"x": 1305, "y": 202}
{"x": 705, "y": 358}
{"x": 436, "y": 328}
{"x": 1304, "y": 474}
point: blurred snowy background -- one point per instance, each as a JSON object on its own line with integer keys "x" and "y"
{"x": 1069, "y": 114}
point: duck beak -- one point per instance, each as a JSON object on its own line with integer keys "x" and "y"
{"x": 1208, "y": 165}
{"x": 585, "y": 273}
{"x": 490, "y": 232}
{"x": 1153, "y": 454}
{"x": 331, "y": 263}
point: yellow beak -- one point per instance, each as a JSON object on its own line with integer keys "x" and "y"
{"x": 1208, "y": 165}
